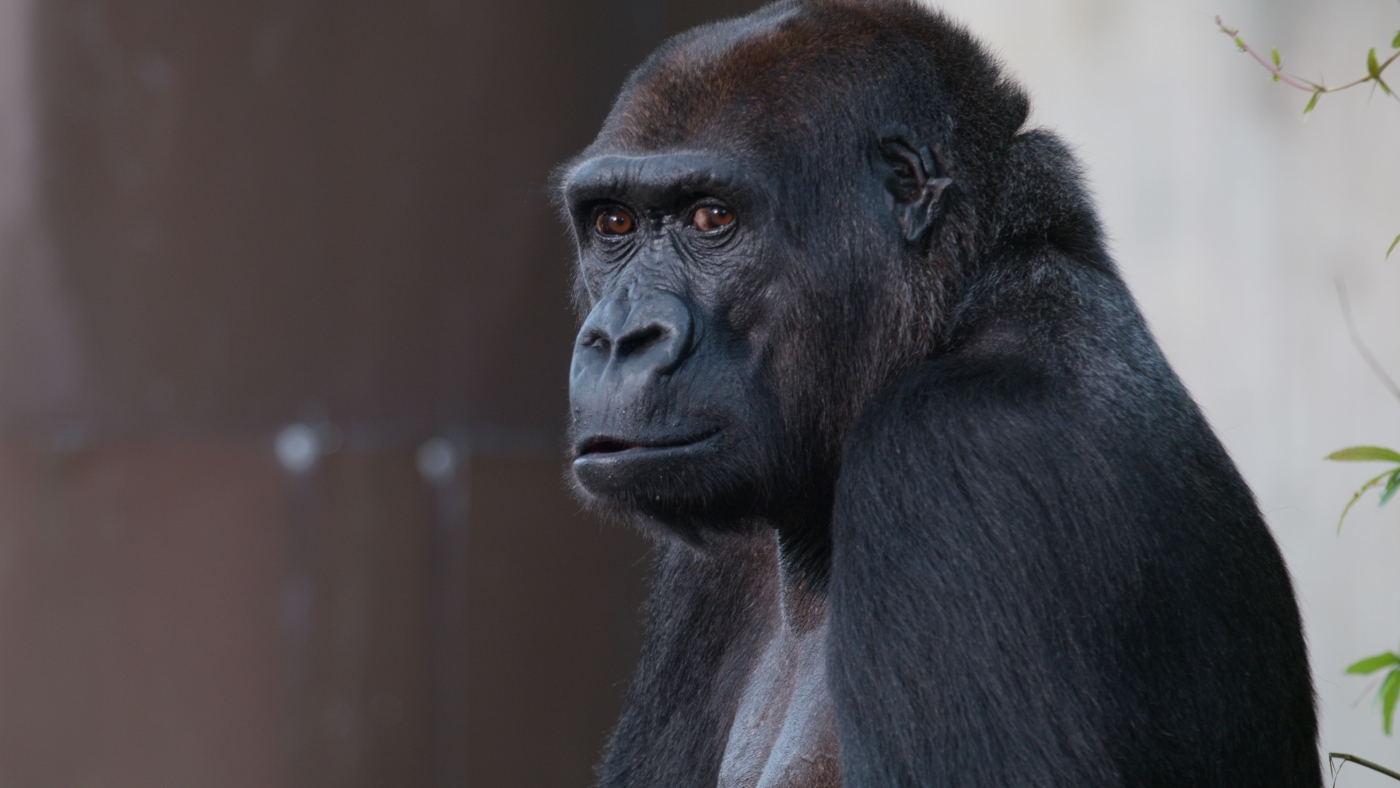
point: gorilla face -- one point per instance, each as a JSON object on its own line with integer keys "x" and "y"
{"x": 729, "y": 342}
{"x": 671, "y": 389}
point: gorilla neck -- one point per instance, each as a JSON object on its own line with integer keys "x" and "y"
{"x": 801, "y": 589}
{"x": 804, "y": 551}
{"x": 803, "y": 542}
{"x": 784, "y": 732}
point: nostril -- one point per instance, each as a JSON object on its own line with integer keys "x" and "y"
{"x": 645, "y": 334}
{"x": 595, "y": 339}
{"x": 639, "y": 339}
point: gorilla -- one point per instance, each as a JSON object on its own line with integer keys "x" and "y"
{"x": 930, "y": 508}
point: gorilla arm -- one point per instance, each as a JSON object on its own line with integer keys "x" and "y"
{"x": 973, "y": 530}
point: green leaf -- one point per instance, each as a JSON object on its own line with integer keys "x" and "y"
{"x": 1396, "y": 43}
{"x": 1373, "y": 664}
{"x": 1312, "y": 102}
{"x": 1365, "y": 454}
{"x": 1372, "y": 67}
{"x": 1390, "y": 487}
{"x": 1393, "y": 244}
{"x": 1278, "y": 61}
{"x": 1389, "y": 693}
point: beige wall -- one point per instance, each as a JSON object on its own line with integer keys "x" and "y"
{"x": 1230, "y": 214}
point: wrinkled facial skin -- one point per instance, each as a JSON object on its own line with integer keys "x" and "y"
{"x": 673, "y": 413}
{"x": 721, "y": 360}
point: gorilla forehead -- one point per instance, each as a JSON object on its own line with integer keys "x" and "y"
{"x": 813, "y": 71}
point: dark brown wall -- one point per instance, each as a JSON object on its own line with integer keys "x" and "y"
{"x": 247, "y": 215}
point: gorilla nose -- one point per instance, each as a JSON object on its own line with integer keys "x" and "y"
{"x": 634, "y": 338}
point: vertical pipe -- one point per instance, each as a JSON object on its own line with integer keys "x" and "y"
{"x": 446, "y": 468}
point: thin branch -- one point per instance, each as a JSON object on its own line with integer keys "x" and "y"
{"x": 1282, "y": 77}
{"x": 1362, "y": 80}
{"x": 1356, "y": 340}
{"x": 1298, "y": 82}
{"x": 1343, "y": 757}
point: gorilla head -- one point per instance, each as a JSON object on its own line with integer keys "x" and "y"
{"x": 765, "y": 238}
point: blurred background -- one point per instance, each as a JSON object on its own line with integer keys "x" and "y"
{"x": 284, "y": 331}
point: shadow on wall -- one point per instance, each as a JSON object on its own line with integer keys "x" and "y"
{"x": 220, "y": 220}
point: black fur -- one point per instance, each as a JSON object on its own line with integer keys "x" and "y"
{"x": 910, "y": 360}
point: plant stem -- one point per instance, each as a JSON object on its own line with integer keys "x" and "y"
{"x": 1356, "y": 340}
{"x": 1341, "y": 756}
{"x": 1292, "y": 82}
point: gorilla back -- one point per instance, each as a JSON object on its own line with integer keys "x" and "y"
{"x": 930, "y": 507}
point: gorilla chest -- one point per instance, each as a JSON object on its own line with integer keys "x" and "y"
{"x": 784, "y": 733}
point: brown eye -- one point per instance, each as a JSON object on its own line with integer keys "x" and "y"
{"x": 614, "y": 221}
{"x": 711, "y": 217}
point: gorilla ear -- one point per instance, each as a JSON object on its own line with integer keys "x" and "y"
{"x": 914, "y": 184}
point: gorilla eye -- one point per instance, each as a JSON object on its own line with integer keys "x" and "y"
{"x": 711, "y": 217}
{"x": 614, "y": 221}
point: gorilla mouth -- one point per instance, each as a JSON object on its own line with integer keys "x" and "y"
{"x": 608, "y": 445}
{"x": 605, "y": 446}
